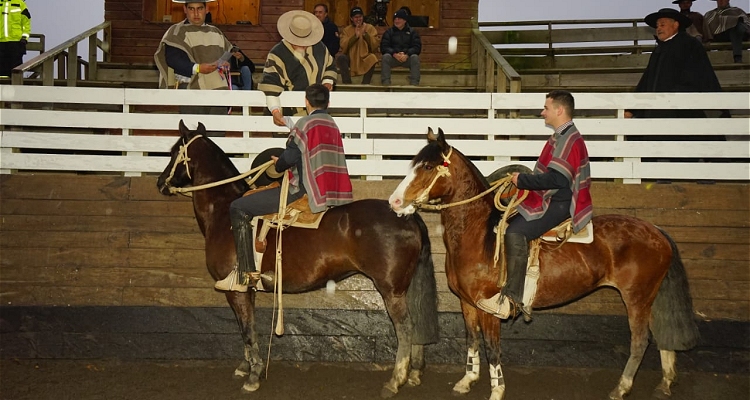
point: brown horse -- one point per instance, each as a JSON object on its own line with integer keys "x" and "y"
{"x": 361, "y": 237}
{"x": 633, "y": 256}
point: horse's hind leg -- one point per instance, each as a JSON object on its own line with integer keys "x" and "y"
{"x": 243, "y": 305}
{"x": 638, "y": 320}
{"x": 473, "y": 335}
{"x": 669, "y": 373}
{"x": 399, "y": 312}
{"x": 417, "y": 365}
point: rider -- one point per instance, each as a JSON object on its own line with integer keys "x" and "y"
{"x": 314, "y": 155}
{"x": 558, "y": 189}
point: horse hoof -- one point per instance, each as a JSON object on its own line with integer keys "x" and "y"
{"x": 250, "y": 387}
{"x": 239, "y": 374}
{"x": 387, "y": 393}
{"x": 661, "y": 394}
{"x": 242, "y": 371}
{"x": 414, "y": 379}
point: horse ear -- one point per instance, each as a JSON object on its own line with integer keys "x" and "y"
{"x": 201, "y": 128}
{"x": 441, "y": 135}
{"x": 183, "y": 128}
{"x": 431, "y": 135}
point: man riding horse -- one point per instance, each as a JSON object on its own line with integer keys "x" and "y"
{"x": 558, "y": 189}
{"x": 314, "y": 155}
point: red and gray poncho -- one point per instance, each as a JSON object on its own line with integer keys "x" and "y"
{"x": 566, "y": 153}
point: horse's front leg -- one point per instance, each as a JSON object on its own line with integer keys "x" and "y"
{"x": 473, "y": 335}
{"x": 491, "y": 330}
{"x": 243, "y": 305}
{"x": 399, "y": 312}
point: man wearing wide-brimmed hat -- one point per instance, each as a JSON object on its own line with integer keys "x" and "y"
{"x": 189, "y": 52}
{"x": 678, "y": 64}
{"x": 298, "y": 61}
{"x": 696, "y": 28}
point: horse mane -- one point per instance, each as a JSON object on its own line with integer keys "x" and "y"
{"x": 433, "y": 154}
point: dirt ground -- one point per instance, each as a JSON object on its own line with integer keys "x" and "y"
{"x": 187, "y": 380}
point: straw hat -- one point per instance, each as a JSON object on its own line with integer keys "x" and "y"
{"x": 300, "y": 28}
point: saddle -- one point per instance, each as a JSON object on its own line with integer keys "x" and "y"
{"x": 297, "y": 214}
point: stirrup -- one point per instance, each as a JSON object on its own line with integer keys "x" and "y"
{"x": 231, "y": 283}
{"x": 500, "y": 306}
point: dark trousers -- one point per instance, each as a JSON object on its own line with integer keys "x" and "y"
{"x": 262, "y": 203}
{"x": 11, "y": 56}
{"x": 557, "y": 212}
{"x": 735, "y": 36}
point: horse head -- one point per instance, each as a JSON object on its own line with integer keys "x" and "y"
{"x": 177, "y": 173}
{"x": 423, "y": 183}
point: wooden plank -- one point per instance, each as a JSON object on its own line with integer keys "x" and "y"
{"x": 717, "y": 269}
{"x": 683, "y": 196}
{"x": 700, "y": 234}
{"x": 99, "y": 256}
{"x": 719, "y": 290}
{"x": 731, "y": 252}
{"x": 84, "y": 240}
{"x": 96, "y": 208}
{"x": 58, "y": 187}
{"x": 668, "y": 218}
{"x": 64, "y": 276}
{"x": 98, "y": 224}
{"x": 26, "y": 295}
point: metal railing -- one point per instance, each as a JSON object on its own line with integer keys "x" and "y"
{"x": 65, "y": 57}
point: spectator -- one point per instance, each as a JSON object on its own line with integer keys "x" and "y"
{"x": 15, "y": 29}
{"x": 242, "y": 65}
{"x": 190, "y": 56}
{"x": 678, "y": 64}
{"x": 696, "y": 29}
{"x": 296, "y": 62}
{"x": 359, "y": 42}
{"x": 330, "y": 30}
{"x": 400, "y": 46}
{"x": 314, "y": 144}
{"x": 727, "y": 25}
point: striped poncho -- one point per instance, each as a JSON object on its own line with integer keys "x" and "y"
{"x": 566, "y": 153}
{"x": 324, "y": 173}
{"x": 719, "y": 20}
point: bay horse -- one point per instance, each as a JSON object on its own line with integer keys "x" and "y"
{"x": 633, "y": 256}
{"x": 361, "y": 237}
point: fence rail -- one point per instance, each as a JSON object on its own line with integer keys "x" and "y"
{"x": 105, "y": 130}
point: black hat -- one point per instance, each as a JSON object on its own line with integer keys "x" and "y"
{"x": 356, "y": 11}
{"x": 678, "y": 1}
{"x": 401, "y": 14}
{"x": 668, "y": 13}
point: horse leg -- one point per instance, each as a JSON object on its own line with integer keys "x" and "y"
{"x": 669, "y": 374}
{"x": 491, "y": 332}
{"x": 243, "y": 305}
{"x": 471, "y": 320}
{"x": 417, "y": 365}
{"x": 638, "y": 320}
{"x": 399, "y": 313}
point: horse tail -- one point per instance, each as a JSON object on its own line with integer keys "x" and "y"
{"x": 421, "y": 296}
{"x": 672, "y": 320}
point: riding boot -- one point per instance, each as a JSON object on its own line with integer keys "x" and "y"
{"x": 507, "y": 303}
{"x": 239, "y": 278}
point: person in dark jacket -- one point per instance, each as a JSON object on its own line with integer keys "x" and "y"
{"x": 400, "y": 46}
{"x": 679, "y": 63}
{"x": 330, "y": 30}
{"x": 244, "y": 66}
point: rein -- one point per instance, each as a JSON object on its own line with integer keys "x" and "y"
{"x": 500, "y": 185}
{"x": 182, "y": 157}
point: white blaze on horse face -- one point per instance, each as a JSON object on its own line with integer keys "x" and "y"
{"x": 397, "y": 198}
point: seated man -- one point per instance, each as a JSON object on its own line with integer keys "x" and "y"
{"x": 358, "y": 43}
{"x": 314, "y": 144}
{"x": 244, "y": 66}
{"x": 727, "y": 24}
{"x": 400, "y": 46}
{"x": 696, "y": 28}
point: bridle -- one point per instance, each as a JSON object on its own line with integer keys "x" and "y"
{"x": 183, "y": 158}
{"x": 422, "y": 200}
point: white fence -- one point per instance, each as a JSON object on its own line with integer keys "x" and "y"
{"x": 70, "y": 129}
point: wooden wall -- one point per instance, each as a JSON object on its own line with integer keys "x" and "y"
{"x": 135, "y": 40}
{"x": 115, "y": 241}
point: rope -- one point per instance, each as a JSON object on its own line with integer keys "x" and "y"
{"x": 260, "y": 169}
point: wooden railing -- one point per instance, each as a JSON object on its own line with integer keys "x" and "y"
{"x": 105, "y": 130}
{"x": 65, "y": 57}
{"x": 494, "y": 73}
